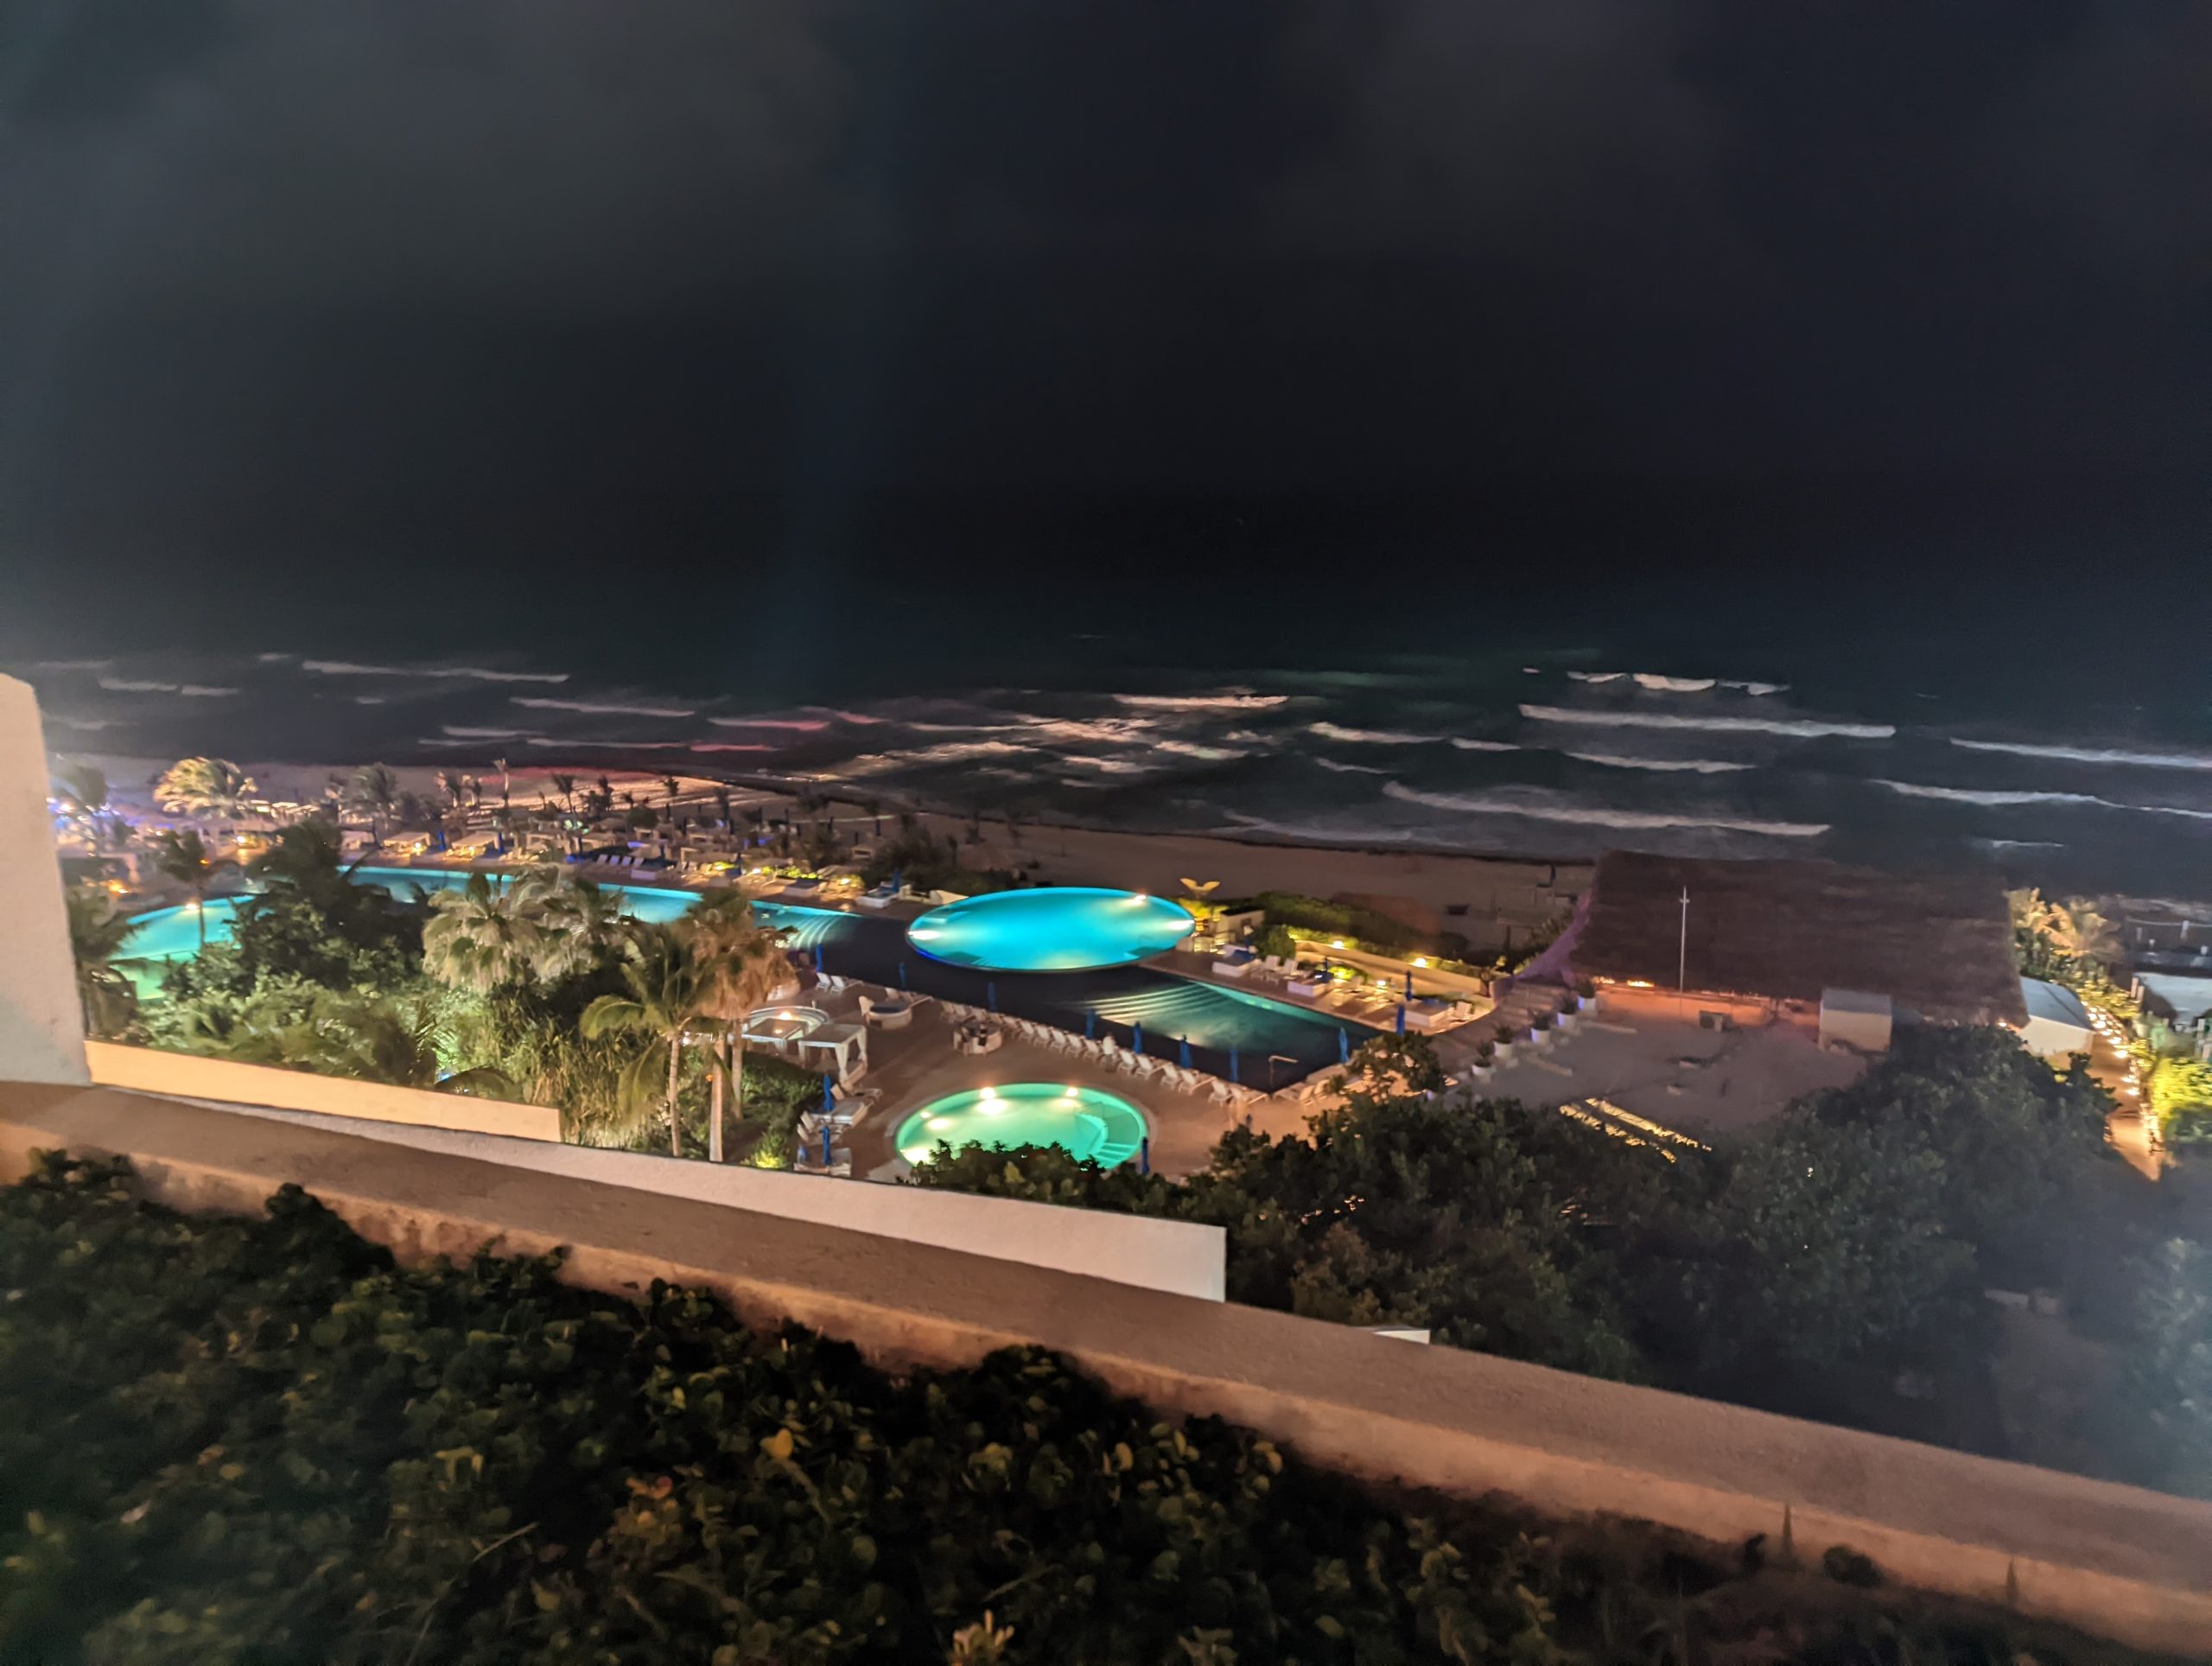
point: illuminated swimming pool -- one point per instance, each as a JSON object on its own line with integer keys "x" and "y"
{"x": 168, "y": 934}
{"x": 1052, "y": 929}
{"x": 1085, "y": 1123}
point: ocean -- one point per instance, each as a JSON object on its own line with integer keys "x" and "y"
{"x": 1555, "y": 739}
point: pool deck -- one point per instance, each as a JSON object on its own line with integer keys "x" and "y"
{"x": 915, "y": 1066}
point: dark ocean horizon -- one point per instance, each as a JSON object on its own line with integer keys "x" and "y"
{"x": 2037, "y": 701}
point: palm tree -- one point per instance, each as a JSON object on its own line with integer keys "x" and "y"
{"x": 669, "y": 785}
{"x": 374, "y": 789}
{"x": 744, "y": 966}
{"x": 213, "y": 787}
{"x": 449, "y": 783}
{"x": 484, "y": 935}
{"x": 97, "y": 934}
{"x": 505, "y": 782}
{"x": 372, "y": 1040}
{"x": 584, "y": 924}
{"x": 83, "y": 792}
{"x": 721, "y": 805}
{"x": 666, "y": 1005}
{"x": 566, "y": 786}
{"x": 184, "y": 857}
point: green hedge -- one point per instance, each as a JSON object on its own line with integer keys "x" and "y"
{"x": 227, "y": 1439}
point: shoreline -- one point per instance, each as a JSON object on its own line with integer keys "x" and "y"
{"x": 1487, "y": 897}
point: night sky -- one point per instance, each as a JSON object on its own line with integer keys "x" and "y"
{"x": 530, "y": 290}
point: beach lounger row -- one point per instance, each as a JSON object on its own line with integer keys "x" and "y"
{"x": 1106, "y": 1052}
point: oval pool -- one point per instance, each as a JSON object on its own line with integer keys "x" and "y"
{"x": 1051, "y": 929}
{"x": 1085, "y": 1123}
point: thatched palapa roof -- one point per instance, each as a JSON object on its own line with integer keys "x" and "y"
{"x": 1789, "y": 930}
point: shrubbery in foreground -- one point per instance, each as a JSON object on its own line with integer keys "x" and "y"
{"x": 229, "y": 1439}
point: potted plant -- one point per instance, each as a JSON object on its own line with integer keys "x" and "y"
{"x": 1502, "y": 1044}
{"x": 1570, "y": 1009}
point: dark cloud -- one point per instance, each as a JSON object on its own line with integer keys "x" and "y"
{"x": 519, "y": 273}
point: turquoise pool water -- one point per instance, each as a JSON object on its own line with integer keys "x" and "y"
{"x": 1272, "y": 1043}
{"x": 1053, "y": 929}
{"x": 1081, "y": 1122}
{"x": 168, "y": 934}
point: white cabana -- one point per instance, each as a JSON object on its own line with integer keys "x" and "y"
{"x": 2057, "y": 1022}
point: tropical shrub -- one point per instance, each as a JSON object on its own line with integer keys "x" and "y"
{"x": 232, "y": 1440}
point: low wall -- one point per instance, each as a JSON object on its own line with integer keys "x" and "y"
{"x": 1176, "y": 1257}
{"x": 189, "y": 1076}
{"x": 2115, "y": 1560}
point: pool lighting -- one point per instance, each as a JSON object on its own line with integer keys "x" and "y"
{"x": 990, "y": 1093}
{"x": 1338, "y": 943}
{"x": 1420, "y": 960}
{"x": 939, "y": 1122}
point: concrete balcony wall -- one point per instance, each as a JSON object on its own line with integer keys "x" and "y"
{"x": 1175, "y": 1256}
{"x": 189, "y": 1075}
{"x": 41, "y": 1028}
{"x": 2113, "y": 1560}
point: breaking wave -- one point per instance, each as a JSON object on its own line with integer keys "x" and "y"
{"x": 136, "y": 685}
{"x": 601, "y": 708}
{"x": 1701, "y": 765}
{"x": 1673, "y": 684}
{"x": 461, "y": 733}
{"x": 1228, "y": 700}
{"x": 2001, "y": 798}
{"x": 72, "y": 664}
{"x": 1802, "y": 727}
{"x": 1597, "y": 676}
{"x": 2092, "y": 754}
{"x": 205, "y": 691}
{"x": 1372, "y": 737}
{"x": 1467, "y": 744}
{"x": 1500, "y": 803}
{"x": 607, "y": 745}
{"x": 950, "y": 751}
{"x": 1332, "y": 766}
{"x": 1192, "y": 749}
{"x": 1756, "y": 688}
{"x": 808, "y": 724}
{"x": 1107, "y": 765}
{"x": 352, "y": 667}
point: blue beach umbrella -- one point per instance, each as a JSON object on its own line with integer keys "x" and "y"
{"x": 817, "y": 956}
{"x": 902, "y": 974}
{"x": 897, "y": 879}
{"x": 1343, "y": 1047}
{"x": 1186, "y": 1052}
{"x": 1136, "y": 1038}
{"x": 1144, "y": 1155}
{"x": 1232, "y": 1062}
{"x": 1402, "y": 1017}
{"x": 827, "y": 1157}
{"x": 991, "y": 994}
{"x": 828, "y": 1092}
{"x": 1089, "y": 1023}
{"x": 1410, "y": 984}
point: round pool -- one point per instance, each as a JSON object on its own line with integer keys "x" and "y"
{"x": 1051, "y": 929}
{"x": 1085, "y": 1123}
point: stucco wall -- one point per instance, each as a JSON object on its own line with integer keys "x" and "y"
{"x": 41, "y": 1037}
{"x": 188, "y": 1076}
{"x": 1172, "y": 1255}
{"x": 2116, "y": 1561}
